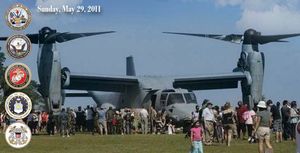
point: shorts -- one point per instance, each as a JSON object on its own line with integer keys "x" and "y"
{"x": 229, "y": 126}
{"x": 263, "y": 133}
{"x": 103, "y": 125}
{"x": 277, "y": 125}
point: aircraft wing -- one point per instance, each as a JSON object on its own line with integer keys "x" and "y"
{"x": 100, "y": 83}
{"x": 76, "y": 94}
{"x": 207, "y": 82}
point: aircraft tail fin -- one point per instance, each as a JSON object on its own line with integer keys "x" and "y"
{"x": 130, "y": 69}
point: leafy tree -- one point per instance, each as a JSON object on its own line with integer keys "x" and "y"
{"x": 2, "y": 79}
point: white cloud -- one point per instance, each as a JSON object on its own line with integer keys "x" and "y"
{"x": 229, "y": 2}
{"x": 268, "y": 16}
{"x": 278, "y": 19}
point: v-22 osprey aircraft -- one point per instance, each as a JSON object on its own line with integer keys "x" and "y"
{"x": 129, "y": 91}
{"x": 174, "y": 94}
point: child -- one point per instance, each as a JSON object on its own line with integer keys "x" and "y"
{"x": 170, "y": 127}
{"x": 196, "y": 138}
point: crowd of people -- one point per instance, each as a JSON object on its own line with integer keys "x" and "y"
{"x": 222, "y": 124}
{"x": 218, "y": 124}
{"x": 96, "y": 120}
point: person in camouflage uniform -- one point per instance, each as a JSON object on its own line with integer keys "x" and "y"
{"x": 71, "y": 121}
{"x": 63, "y": 118}
{"x": 128, "y": 119}
{"x": 96, "y": 121}
{"x": 119, "y": 123}
{"x": 109, "y": 118}
{"x": 152, "y": 114}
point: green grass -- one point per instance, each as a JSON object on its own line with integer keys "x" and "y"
{"x": 85, "y": 143}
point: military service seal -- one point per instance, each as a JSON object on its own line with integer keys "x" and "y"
{"x": 18, "y": 46}
{"x": 18, "y": 135}
{"x": 18, "y": 105}
{"x": 18, "y": 17}
{"x": 18, "y": 76}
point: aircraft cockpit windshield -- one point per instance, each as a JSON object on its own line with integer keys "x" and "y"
{"x": 190, "y": 98}
{"x": 175, "y": 98}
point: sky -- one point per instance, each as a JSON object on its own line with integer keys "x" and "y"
{"x": 140, "y": 23}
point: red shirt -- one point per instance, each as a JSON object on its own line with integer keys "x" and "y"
{"x": 114, "y": 121}
{"x": 44, "y": 117}
{"x": 196, "y": 132}
{"x": 240, "y": 112}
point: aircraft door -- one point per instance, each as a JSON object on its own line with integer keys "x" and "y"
{"x": 163, "y": 100}
{"x": 153, "y": 100}
{"x": 149, "y": 99}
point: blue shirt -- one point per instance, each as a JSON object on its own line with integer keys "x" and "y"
{"x": 102, "y": 115}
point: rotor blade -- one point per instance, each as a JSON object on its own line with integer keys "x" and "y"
{"x": 273, "y": 38}
{"x": 234, "y": 38}
{"x": 53, "y": 37}
{"x": 3, "y": 38}
{"x": 71, "y": 36}
{"x": 34, "y": 38}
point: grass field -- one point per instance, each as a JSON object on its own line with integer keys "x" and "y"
{"x": 84, "y": 143}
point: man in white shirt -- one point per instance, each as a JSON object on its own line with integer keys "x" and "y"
{"x": 144, "y": 120}
{"x": 89, "y": 119}
{"x": 209, "y": 119}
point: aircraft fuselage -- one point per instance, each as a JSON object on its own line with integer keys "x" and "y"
{"x": 157, "y": 92}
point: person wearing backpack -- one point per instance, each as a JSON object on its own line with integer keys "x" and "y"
{"x": 277, "y": 122}
{"x": 228, "y": 122}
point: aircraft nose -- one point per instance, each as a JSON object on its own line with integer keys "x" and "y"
{"x": 181, "y": 111}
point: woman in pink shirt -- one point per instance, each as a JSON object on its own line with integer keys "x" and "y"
{"x": 249, "y": 117}
{"x": 196, "y": 138}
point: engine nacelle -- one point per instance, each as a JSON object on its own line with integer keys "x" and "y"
{"x": 47, "y": 35}
{"x": 65, "y": 77}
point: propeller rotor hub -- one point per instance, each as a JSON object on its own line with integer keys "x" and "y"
{"x": 46, "y": 30}
{"x": 45, "y": 33}
{"x": 250, "y": 35}
{"x": 251, "y": 32}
